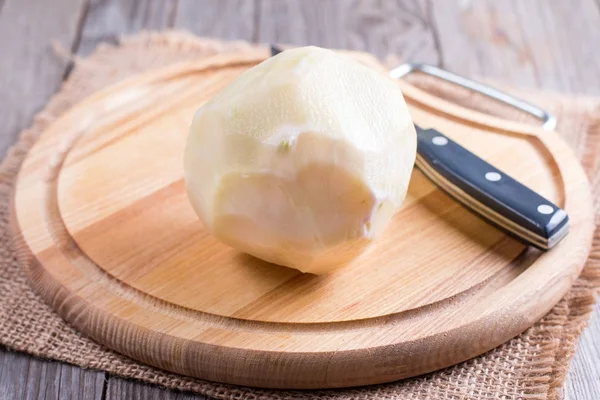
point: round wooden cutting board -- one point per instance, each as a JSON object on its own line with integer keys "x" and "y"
{"x": 114, "y": 246}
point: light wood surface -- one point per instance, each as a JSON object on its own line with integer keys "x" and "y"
{"x": 119, "y": 253}
{"x": 573, "y": 25}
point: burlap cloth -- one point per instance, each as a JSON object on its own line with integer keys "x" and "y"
{"x": 531, "y": 366}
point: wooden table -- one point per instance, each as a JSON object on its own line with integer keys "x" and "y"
{"x": 547, "y": 44}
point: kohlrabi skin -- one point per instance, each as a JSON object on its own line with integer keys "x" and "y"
{"x": 302, "y": 160}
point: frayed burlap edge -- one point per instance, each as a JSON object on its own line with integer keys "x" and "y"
{"x": 531, "y": 366}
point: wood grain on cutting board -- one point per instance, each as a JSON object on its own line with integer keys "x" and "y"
{"x": 100, "y": 204}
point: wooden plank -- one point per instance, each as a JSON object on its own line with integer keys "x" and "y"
{"x": 29, "y": 72}
{"x": 528, "y": 43}
{"x": 227, "y": 19}
{"x": 13, "y": 374}
{"x": 109, "y": 19}
{"x": 26, "y": 377}
{"x": 132, "y": 390}
{"x": 396, "y": 27}
{"x": 77, "y": 383}
{"x": 583, "y": 379}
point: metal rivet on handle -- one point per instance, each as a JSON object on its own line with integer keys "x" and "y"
{"x": 493, "y": 176}
{"x": 545, "y": 209}
{"x": 439, "y": 141}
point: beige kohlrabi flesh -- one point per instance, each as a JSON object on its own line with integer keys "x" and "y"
{"x": 302, "y": 160}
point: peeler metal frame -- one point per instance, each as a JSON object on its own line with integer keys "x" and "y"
{"x": 548, "y": 120}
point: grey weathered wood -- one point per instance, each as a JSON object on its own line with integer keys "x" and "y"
{"x": 13, "y": 374}
{"x": 108, "y": 19}
{"x": 77, "y": 383}
{"x": 583, "y": 379}
{"x": 227, "y": 19}
{"x": 26, "y": 377}
{"x": 132, "y": 390}
{"x": 398, "y": 27}
{"x": 29, "y": 71}
{"x": 529, "y": 43}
